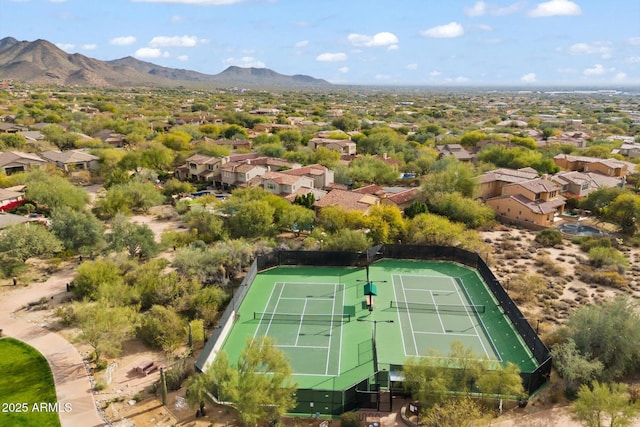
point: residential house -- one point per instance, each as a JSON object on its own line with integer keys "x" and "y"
{"x": 242, "y": 174}
{"x": 265, "y": 111}
{"x": 322, "y": 177}
{"x": 401, "y": 197}
{"x": 10, "y": 199}
{"x": 17, "y": 161}
{"x": 348, "y": 200}
{"x": 8, "y": 127}
{"x": 234, "y": 144}
{"x": 72, "y": 160}
{"x": 536, "y": 201}
{"x": 201, "y": 168}
{"x": 608, "y": 167}
{"x": 270, "y": 127}
{"x": 580, "y": 184}
{"x": 342, "y": 146}
{"x": 112, "y": 138}
{"x": 490, "y": 184}
{"x": 283, "y": 184}
{"x": 628, "y": 149}
{"x": 576, "y": 139}
{"x": 455, "y": 150}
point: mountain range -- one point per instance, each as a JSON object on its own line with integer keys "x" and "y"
{"x": 42, "y": 62}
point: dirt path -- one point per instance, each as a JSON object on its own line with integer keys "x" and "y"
{"x": 69, "y": 372}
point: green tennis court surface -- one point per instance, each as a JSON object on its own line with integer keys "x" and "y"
{"x": 319, "y": 318}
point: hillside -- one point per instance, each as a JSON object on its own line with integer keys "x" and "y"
{"x": 42, "y": 62}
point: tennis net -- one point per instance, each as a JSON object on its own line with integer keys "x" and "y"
{"x": 304, "y": 318}
{"x": 449, "y": 308}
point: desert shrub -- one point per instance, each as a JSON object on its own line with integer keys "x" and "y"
{"x": 178, "y": 373}
{"x": 602, "y": 256}
{"x": 524, "y": 288}
{"x": 350, "y": 419}
{"x": 161, "y": 327}
{"x": 587, "y": 243}
{"x": 604, "y": 278}
{"x": 549, "y": 237}
{"x": 549, "y": 266}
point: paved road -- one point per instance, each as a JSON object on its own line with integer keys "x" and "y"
{"x": 70, "y": 376}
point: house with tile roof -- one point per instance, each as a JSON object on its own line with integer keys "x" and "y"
{"x": 608, "y": 167}
{"x": 536, "y": 201}
{"x": 283, "y": 184}
{"x": 10, "y": 199}
{"x": 348, "y": 200}
{"x": 72, "y": 160}
{"x": 342, "y": 146}
{"x": 201, "y": 168}
{"x": 16, "y": 161}
{"x": 322, "y": 176}
{"x": 580, "y": 184}
{"x": 242, "y": 175}
{"x": 455, "y": 150}
{"x": 490, "y": 184}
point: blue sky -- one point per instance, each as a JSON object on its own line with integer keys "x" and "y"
{"x": 402, "y": 42}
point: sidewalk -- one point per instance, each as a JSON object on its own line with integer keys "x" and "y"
{"x": 69, "y": 373}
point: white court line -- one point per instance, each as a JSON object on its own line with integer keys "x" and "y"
{"x": 404, "y": 347}
{"x": 340, "y": 349}
{"x": 306, "y": 298}
{"x": 333, "y": 312}
{"x": 275, "y": 309}
{"x": 415, "y": 344}
{"x": 444, "y": 330}
{"x": 313, "y": 375}
{"x": 265, "y": 310}
{"x": 446, "y": 333}
{"x": 302, "y": 346}
{"x": 471, "y": 319}
{"x": 304, "y": 308}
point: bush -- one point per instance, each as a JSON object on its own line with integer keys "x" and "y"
{"x": 549, "y": 237}
{"x": 350, "y": 419}
{"x": 177, "y": 374}
{"x": 601, "y": 256}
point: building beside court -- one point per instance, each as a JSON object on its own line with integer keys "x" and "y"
{"x": 349, "y": 321}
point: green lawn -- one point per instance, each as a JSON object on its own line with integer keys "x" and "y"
{"x": 25, "y": 380}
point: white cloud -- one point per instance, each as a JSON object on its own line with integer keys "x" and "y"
{"x": 245, "y": 61}
{"x": 620, "y": 76}
{"x": 91, "y": 46}
{"x": 57, "y": 1}
{"x": 556, "y": 8}
{"x": 634, "y": 41}
{"x": 123, "y": 41}
{"x": 198, "y": 2}
{"x": 597, "y": 70}
{"x": 177, "y": 18}
{"x": 331, "y": 57}
{"x": 302, "y": 43}
{"x": 567, "y": 70}
{"x": 459, "y": 79}
{"x": 483, "y": 27}
{"x": 382, "y": 77}
{"x": 600, "y": 48}
{"x": 435, "y": 73}
{"x": 175, "y": 41}
{"x": 412, "y": 66}
{"x": 450, "y": 30}
{"x": 147, "y": 52}
{"x": 67, "y": 47}
{"x": 380, "y": 39}
{"x": 481, "y": 8}
{"x": 528, "y": 78}
{"x": 343, "y": 70}
{"x": 478, "y": 9}
{"x": 183, "y": 58}
{"x": 632, "y": 60}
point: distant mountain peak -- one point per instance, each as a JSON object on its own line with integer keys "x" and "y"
{"x": 41, "y": 61}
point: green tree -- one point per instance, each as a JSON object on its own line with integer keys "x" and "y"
{"x": 79, "y": 231}
{"x": 608, "y": 332}
{"x": 52, "y": 191}
{"x": 454, "y": 412}
{"x": 161, "y": 327}
{"x": 574, "y": 367}
{"x": 123, "y": 198}
{"x": 92, "y": 276}
{"x": 207, "y": 226}
{"x": 624, "y": 211}
{"x": 290, "y": 139}
{"x": 449, "y": 175}
{"x": 346, "y": 240}
{"x": 252, "y": 219}
{"x": 597, "y": 201}
{"x": 297, "y": 216}
{"x": 136, "y": 239}
{"x": 105, "y": 328}
{"x": 175, "y": 186}
{"x": 426, "y": 380}
{"x": 458, "y": 208}
{"x": 501, "y": 380}
{"x": 604, "y": 404}
{"x": 27, "y": 240}
{"x": 549, "y": 237}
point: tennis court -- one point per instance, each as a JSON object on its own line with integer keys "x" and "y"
{"x": 433, "y": 311}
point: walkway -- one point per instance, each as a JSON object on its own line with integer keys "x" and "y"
{"x": 69, "y": 373}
